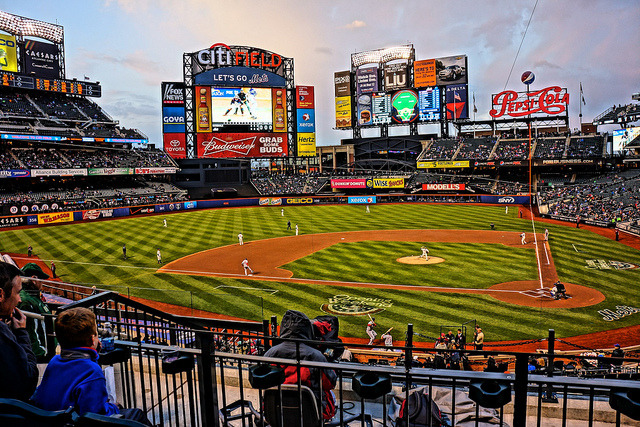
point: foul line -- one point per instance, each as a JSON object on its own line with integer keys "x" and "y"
{"x": 574, "y": 247}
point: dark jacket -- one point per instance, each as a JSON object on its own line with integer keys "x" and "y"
{"x": 32, "y": 302}
{"x": 74, "y": 379}
{"x": 297, "y": 325}
{"x": 18, "y": 367}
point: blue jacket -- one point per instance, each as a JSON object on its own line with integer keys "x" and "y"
{"x": 75, "y": 379}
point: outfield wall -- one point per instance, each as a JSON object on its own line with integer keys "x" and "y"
{"x": 49, "y": 218}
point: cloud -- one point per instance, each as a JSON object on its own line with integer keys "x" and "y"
{"x": 324, "y": 50}
{"x": 355, "y": 24}
{"x": 546, "y": 64}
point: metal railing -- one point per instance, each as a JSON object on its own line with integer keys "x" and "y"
{"x": 201, "y": 375}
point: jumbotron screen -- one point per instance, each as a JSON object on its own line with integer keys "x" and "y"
{"x": 241, "y": 109}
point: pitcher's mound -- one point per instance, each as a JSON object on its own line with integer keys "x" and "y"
{"x": 420, "y": 260}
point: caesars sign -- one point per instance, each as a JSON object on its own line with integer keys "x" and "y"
{"x": 550, "y": 100}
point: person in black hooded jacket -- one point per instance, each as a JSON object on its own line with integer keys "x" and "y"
{"x": 298, "y": 326}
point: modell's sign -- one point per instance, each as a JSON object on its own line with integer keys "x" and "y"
{"x": 443, "y": 187}
{"x": 221, "y": 55}
{"x": 550, "y": 100}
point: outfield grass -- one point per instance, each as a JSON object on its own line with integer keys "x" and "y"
{"x": 90, "y": 253}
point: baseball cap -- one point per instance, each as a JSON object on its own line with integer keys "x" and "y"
{"x": 616, "y": 345}
{"x": 31, "y": 269}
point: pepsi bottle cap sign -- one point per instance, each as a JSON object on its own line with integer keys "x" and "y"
{"x": 527, "y": 77}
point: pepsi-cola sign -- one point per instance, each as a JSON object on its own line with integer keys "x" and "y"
{"x": 552, "y": 100}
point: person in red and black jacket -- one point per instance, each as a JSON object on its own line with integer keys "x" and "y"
{"x": 298, "y": 326}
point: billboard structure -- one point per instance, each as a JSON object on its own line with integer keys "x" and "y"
{"x": 388, "y": 87}
{"x": 240, "y": 101}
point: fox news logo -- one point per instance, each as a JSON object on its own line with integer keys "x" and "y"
{"x": 172, "y": 94}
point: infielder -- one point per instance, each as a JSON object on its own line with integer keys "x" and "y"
{"x": 425, "y": 253}
{"x": 546, "y": 234}
{"x": 245, "y": 265}
{"x": 240, "y": 239}
{"x": 297, "y": 229}
{"x": 164, "y": 222}
{"x": 282, "y": 212}
{"x": 522, "y": 239}
{"x": 370, "y": 331}
{"x": 159, "y": 256}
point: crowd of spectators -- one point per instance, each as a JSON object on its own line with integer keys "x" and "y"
{"x": 476, "y": 148}
{"x": 550, "y": 148}
{"x": 274, "y": 184}
{"x": 609, "y": 198}
{"x": 516, "y": 149}
{"x": 57, "y": 158}
{"x": 441, "y": 149}
{"x": 585, "y": 147}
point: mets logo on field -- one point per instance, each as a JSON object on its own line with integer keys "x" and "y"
{"x": 603, "y": 264}
{"x": 347, "y": 305}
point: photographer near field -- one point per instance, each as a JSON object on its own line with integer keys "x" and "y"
{"x": 19, "y": 372}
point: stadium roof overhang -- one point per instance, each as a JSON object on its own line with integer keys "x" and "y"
{"x": 512, "y": 123}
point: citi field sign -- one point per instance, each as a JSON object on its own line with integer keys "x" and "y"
{"x": 221, "y": 55}
{"x": 552, "y": 100}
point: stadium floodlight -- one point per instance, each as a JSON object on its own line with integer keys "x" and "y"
{"x": 382, "y": 55}
{"x": 21, "y": 26}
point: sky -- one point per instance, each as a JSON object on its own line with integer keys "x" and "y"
{"x": 131, "y": 46}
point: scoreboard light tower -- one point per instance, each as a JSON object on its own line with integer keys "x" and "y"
{"x": 527, "y": 78}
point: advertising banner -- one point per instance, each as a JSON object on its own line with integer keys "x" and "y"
{"x": 202, "y": 98}
{"x": 175, "y": 145}
{"x": 359, "y": 200}
{"x": 505, "y": 200}
{"x": 443, "y": 164}
{"x": 404, "y": 106}
{"x": 109, "y": 171}
{"x": 13, "y": 221}
{"x": 58, "y": 172}
{"x": 31, "y": 207}
{"x": 363, "y": 109}
{"x": 298, "y": 200}
{"x": 451, "y": 70}
{"x": 343, "y": 112}
{"x": 306, "y": 120}
{"x": 385, "y": 183}
{"x": 41, "y": 59}
{"x": 457, "y": 100}
{"x": 97, "y": 213}
{"x": 348, "y": 183}
{"x": 381, "y": 108}
{"x": 270, "y": 201}
{"x": 15, "y": 173}
{"x": 241, "y": 145}
{"x": 279, "y": 107}
{"x": 173, "y": 120}
{"x": 395, "y": 76}
{"x": 53, "y": 218}
{"x": 342, "y": 82}
{"x": 443, "y": 187}
{"x": 172, "y": 94}
{"x": 239, "y": 76}
{"x": 8, "y": 53}
{"x": 429, "y": 104}
{"x": 138, "y": 210}
{"x": 304, "y": 97}
{"x": 366, "y": 80}
{"x": 424, "y": 73}
{"x": 155, "y": 171}
{"x": 551, "y": 100}
{"x": 306, "y": 144}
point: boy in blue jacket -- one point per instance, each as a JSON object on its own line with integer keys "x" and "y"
{"x": 74, "y": 377}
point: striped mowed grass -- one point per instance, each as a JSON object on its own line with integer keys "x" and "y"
{"x": 91, "y": 254}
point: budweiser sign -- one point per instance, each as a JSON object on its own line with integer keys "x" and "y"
{"x": 242, "y": 144}
{"x": 550, "y": 100}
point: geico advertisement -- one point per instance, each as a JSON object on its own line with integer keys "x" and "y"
{"x": 242, "y": 145}
{"x": 52, "y": 218}
{"x": 298, "y": 200}
{"x": 385, "y": 183}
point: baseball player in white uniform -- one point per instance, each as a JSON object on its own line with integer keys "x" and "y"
{"x": 546, "y": 234}
{"x": 388, "y": 339}
{"x": 164, "y": 222}
{"x": 506, "y": 210}
{"x": 297, "y": 229}
{"x": 282, "y": 212}
{"x": 522, "y": 239}
{"x": 425, "y": 253}
{"x": 245, "y": 265}
{"x": 159, "y": 256}
{"x": 370, "y": 331}
{"x": 367, "y": 211}
{"x": 240, "y": 239}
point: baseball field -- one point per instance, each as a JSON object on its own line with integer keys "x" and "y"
{"x": 348, "y": 262}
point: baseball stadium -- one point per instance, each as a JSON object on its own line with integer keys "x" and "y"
{"x": 516, "y": 231}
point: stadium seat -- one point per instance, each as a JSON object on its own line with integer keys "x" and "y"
{"x": 17, "y": 413}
